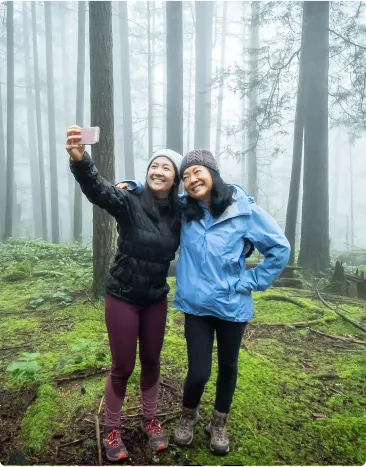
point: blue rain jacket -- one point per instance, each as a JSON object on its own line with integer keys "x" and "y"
{"x": 211, "y": 276}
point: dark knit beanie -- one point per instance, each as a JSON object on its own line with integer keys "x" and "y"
{"x": 198, "y": 157}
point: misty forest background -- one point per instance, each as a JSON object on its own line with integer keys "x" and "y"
{"x": 275, "y": 89}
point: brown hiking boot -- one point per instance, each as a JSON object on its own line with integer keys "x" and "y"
{"x": 219, "y": 436}
{"x": 158, "y": 441}
{"x": 114, "y": 448}
{"x": 184, "y": 432}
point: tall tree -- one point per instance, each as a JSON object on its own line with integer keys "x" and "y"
{"x": 293, "y": 197}
{"x": 189, "y": 99}
{"x": 150, "y": 122}
{"x": 10, "y": 195}
{"x": 34, "y": 165}
{"x": 174, "y": 48}
{"x": 221, "y": 84}
{"x": 314, "y": 246}
{"x": 351, "y": 193}
{"x": 78, "y": 225}
{"x": 39, "y": 125}
{"x": 243, "y": 161}
{"x": 64, "y": 25}
{"x": 252, "y": 122}
{"x": 52, "y": 125}
{"x": 126, "y": 92}
{"x": 163, "y": 123}
{"x": 102, "y": 115}
{"x": 3, "y": 171}
{"x": 204, "y": 16}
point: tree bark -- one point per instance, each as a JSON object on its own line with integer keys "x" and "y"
{"x": 174, "y": 47}
{"x": 43, "y": 205}
{"x": 204, "y": 14}
{"x": 78, "y": 207}
{"x": 252, "y": 123}
{"x": 314, "y": 246}
{"x": 102, "y": 115}
{"x": 10, "y": 195}
{"x": 294, "y": 191}
{"x": 221, "y": 84}
{"x": 3, "y": 171}
{"x": 35, "y": 182}
{"x": 126, "y": 92}
{"x": 52, "y": 126}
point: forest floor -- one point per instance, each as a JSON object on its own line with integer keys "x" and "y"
{"x": 300, "y": 399}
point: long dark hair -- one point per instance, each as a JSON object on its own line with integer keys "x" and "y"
{"x": 150, "y": 204}
{"x": 221, "y": 198}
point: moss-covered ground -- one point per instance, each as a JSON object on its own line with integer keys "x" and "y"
{"x": 301, "y": 393}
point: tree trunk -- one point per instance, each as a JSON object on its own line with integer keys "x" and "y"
{"x": 43, "y": 205}
{"x": 3, "y": 171}
{"x": 314, "y": 246}
{"x": 65, "y": 47}
{"x": 351, "y": 194}
{"x": 51, "y": 125}
{"x": 126, "y": 92}
{"x": 204, "y": 12}
{"x": 252, "y": 123}
{"x": 35, "y": 182}
{"x": 78, "y": 207}
{"x": 293, "y": 197}
{"x": 149, "y": 85}
{"x": 102, "y": 115}
{"x": 221, "y": 84}
{"x": 189, "y": 99}
{"x": 243, "y": 161}
{"x": 10, "y": 194}
{"x": 174, "y": 48}
{"x": 163, "y": 123}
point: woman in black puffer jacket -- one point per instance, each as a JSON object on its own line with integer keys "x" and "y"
{"x": 136, "y": 300}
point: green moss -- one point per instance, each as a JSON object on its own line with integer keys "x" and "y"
{"x": 280, "y": 382}
{"x": 42, "y": 419}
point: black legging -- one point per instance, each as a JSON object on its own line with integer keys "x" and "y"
{"x": 200, "y": 334}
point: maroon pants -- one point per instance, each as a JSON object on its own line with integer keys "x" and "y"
{"x": 127, "y": 324}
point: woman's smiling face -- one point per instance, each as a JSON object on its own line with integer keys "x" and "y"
{"x": 161, "y": 176}
{"x": 198, "y": 183}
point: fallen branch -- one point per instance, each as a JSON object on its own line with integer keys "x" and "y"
{"x": 341, "y": 315}
{"x": 338, "y": 338}
{"x": 81, "y": 376}
{"x": 97, "y": 432}
{"x": 294, "y": 325}
{"x": 3, "y": 349}
{"x": 73, "y": 442}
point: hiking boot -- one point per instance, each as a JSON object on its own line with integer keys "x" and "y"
{"x": 219, "y": 436}
{"x": 158, "y": 441}
{"x": 114, "y": 448}
{"x": 184, "y": 432}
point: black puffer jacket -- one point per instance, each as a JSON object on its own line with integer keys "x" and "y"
{"x": 145, "y": 247}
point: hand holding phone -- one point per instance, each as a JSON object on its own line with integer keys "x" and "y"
{"x": 78, "y": 138}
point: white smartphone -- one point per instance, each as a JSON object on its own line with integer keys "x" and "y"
{"x": 90, "y": 136}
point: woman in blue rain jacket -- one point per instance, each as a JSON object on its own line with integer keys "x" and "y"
{"x": 220, "y": 223}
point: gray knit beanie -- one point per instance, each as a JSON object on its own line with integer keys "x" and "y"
{"x": 170, "y": 154}
{"x": 198, "y": 157}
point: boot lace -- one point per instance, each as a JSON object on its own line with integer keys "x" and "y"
{"x": 154, "y": 428}
{"x": 114, "y": 438}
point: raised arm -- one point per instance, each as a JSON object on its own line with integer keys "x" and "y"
{"x": 96, "y": 188}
